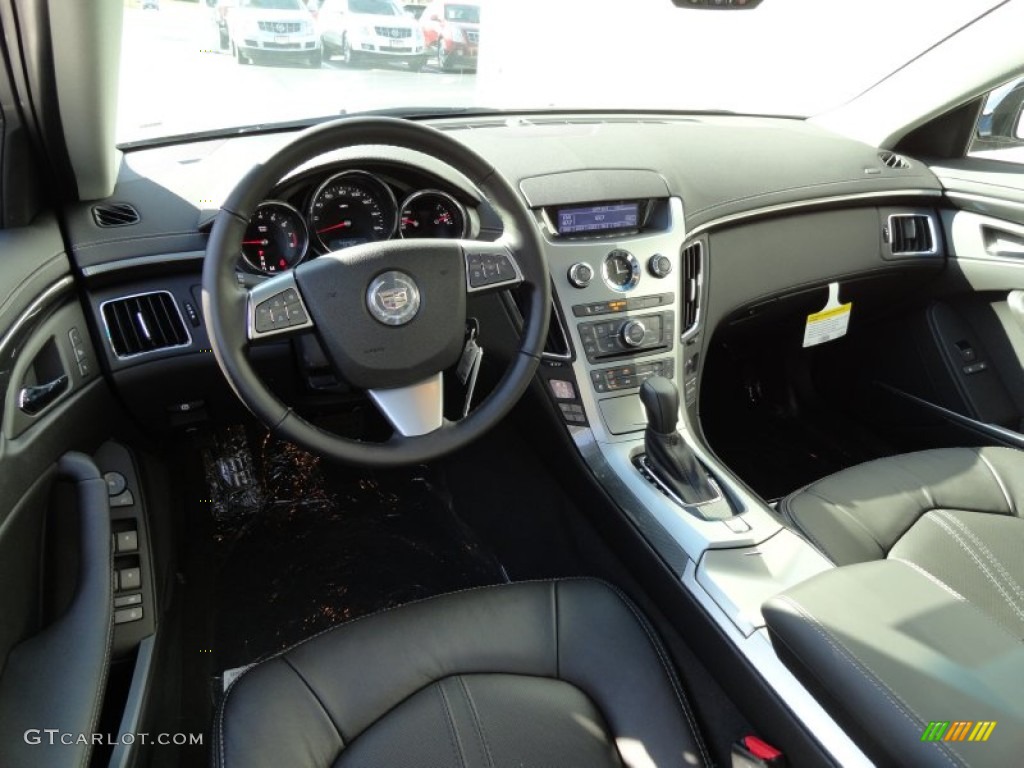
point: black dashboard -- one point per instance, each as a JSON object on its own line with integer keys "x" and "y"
{"x": 714, "y": 218}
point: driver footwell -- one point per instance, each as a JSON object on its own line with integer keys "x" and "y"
{"x": 300, "y": 545}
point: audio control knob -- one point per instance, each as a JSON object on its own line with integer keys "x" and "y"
{"x": 580, "y": 274}
{"x": 659, "y": 266}
{"x": 633, "y": 333}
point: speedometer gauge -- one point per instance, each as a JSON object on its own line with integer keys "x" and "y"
{"x": 430, "y": 213}
{"x": 276, "y": 238}
{"x": 351, "y": 208}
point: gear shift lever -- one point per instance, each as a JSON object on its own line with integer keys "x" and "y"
{"x": 668, "y": 455}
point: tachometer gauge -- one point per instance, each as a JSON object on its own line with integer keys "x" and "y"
{"x": 430, "y": 213}
{"x": 276, "y": 238}
{"x": 351, "y": 208}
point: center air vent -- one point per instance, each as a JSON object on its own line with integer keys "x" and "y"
{"x": 892, "y": 160}
{"x": 115, "y": 215}
{"x": 693, "y": 262}
{"x": 147, "y": 322}
{"x": 911, "y": 234}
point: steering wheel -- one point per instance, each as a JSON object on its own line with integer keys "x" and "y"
{"x": 390, "y": 315}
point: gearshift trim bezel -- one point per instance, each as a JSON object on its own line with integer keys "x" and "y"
{"x": 648, "y": 472}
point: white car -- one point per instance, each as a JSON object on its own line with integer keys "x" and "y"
{"x": 363, "y": 30}
{"x": 272, "y": 29}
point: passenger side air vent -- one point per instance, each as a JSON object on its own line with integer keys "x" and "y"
{"x": 147, "y": 322}
{"x": 693, "y": 263}
{"x": 115, "y": 215}
{"x": 892, "y": 160}
{"x": 911, "y": 234}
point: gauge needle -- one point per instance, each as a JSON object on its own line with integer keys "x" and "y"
{"x": 254, "y": 242}
{"x": 340, "y": 225}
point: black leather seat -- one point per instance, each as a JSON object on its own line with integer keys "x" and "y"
{"x": 955, "y": 513}
{"x": 924, "y": 621}
{"x": 554, "y": 673}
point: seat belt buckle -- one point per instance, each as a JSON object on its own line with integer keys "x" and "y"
{"x": 752, "y": 752}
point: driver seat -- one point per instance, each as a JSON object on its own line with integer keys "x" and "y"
{"x": 548, "y": 673}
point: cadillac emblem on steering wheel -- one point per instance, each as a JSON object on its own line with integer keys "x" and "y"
{"x": 393, "y": 298}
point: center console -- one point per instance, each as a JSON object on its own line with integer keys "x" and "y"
{"x": 629, "y": 287}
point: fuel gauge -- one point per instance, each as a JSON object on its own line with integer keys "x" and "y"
{"x": 430, "y": 213}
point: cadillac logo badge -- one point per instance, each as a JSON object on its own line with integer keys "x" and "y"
{"x": 393, "y": 298}
{"x": 279, "y": 27}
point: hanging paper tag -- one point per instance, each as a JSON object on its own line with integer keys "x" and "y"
{"x": 829, "y": 324}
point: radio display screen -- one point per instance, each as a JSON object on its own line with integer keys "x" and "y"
{"x": 598, "y": 218}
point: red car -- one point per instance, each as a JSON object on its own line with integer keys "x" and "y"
{"x": 454, "y": 28}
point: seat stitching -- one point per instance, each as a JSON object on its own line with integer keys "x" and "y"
{"x": 669, "y": 673}
{"x": 453, "y": 733}
{"x": 999, "y": 481}
{"x": 868, "y": 674}
{"x": 984, "y": 550}
{"x": 316, "y": 698}
{"x": 477, "y": 721}
{"x": 996, "y": 622}
{"x": 853, "y": 517}
{"x": 977, "y": 560}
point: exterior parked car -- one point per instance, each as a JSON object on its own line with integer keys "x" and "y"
{"x": 365, "y": 30}
{"x": 453, "y": 29}
{"x": 271, "y": 29}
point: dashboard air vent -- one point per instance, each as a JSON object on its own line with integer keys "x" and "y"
{"x": 147, "y": 322}
{"x": 911, "y": 234}
{"x": 115, "y": 215}
{"x": 892, "y": 160}
{"x": 693, "y": 263}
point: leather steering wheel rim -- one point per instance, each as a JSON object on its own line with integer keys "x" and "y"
{"x": 225, "y": 301}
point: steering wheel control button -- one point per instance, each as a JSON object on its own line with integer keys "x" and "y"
{"x": 393, "y": 298}
{"x": 633, "y": 333}
{"x": 277, "y": 310}
{"x": 659, "y": 266}
{"x": 621, "y": 270}
{"x": 115, "y": 483}
{"x": 485, "y": 270}
{"x": 580, "y": 274}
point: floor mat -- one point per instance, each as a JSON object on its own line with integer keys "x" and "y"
{"x": 302, "y": 545}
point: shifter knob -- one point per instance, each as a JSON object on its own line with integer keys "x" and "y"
{"x": 661, "y": 401}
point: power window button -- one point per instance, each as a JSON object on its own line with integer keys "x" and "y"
{"x": 127, "y": 541}
{"x": 130, "y": 578}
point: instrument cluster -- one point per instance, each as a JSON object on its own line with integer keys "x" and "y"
{"x": 347, "y": 208}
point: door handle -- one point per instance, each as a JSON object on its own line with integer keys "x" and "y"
{"x": 33, "y": 399}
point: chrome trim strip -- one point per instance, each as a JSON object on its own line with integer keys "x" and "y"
{"x": 693, "y": 330}
{"x": 768, "y": 210}
{"x": 12, "y": 342}
{"x": 142, "y": 261}
{"x": 174, "y": 303}
{"x": 414, "y": 410}
{"x": 931, "y": 232}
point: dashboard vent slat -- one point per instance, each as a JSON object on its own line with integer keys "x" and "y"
{"x": 147, "y": 322}
{"x": 115, "y": 215}
{"x": 892, "y": 160}
{"x": 911, "y": 234}
{"x": 692, "y": 265}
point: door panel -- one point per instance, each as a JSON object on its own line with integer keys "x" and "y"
{"x": 55, "y": 602}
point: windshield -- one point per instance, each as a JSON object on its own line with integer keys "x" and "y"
{"x": 470, "y": 14}
{"x": 188, "y": 67}
{"x": 375, "y": 7}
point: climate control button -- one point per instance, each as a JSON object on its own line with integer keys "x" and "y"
{"x": 633, "y": 333}
{"x": 580, "y": 274}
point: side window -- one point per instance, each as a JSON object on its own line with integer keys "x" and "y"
{"x": 999, "y": 134}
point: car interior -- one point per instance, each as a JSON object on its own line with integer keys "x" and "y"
{"x": 520, "y": 437}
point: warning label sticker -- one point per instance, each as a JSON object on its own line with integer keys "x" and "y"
{"x": 830, "y": 323}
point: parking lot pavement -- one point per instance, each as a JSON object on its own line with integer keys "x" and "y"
{"x": 175, "y": 80}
